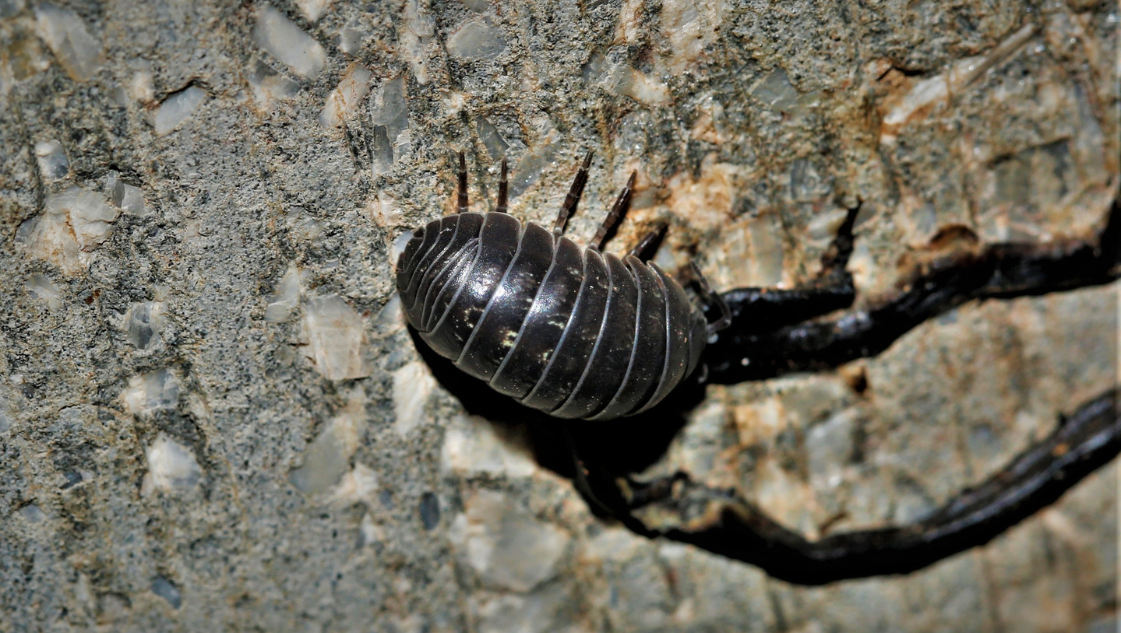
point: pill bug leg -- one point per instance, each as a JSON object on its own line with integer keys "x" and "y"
{"x": 503, "y": 187}
{"x": 573, "y": 197}
{"x": 713, "y": 301}
{"x": 617, "y": 211}
{"x": 726, "y": 524}
{"x": 461, "y": 202}
{"x": 641, "y": 250}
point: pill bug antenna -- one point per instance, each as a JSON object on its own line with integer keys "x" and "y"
{"x": 503, "y": 187}
{"x": 617, "y": 210}
{"x": 461, "y": 203}
{"x": 712, "y": 298}
{"x": 573, "y": 197}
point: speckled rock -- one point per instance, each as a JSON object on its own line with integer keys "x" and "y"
{"x": 212, "y": 417}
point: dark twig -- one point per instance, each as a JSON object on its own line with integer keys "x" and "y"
{"x": 726, "y": 524}
{"x": 770, "y": 336}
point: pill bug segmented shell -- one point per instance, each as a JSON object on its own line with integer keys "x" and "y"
{"x": 565, "y": 329}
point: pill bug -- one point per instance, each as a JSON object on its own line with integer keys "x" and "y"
{"x": 573, "y": 331}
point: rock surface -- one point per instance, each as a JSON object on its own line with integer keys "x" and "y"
{"x": 211, "y": 417}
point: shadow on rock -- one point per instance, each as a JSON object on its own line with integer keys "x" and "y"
{"x": 622, "y": 446}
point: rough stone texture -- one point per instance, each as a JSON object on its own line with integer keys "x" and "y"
{"x": 211, "y": 312}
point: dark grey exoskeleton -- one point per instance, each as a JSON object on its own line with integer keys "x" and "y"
{"x": 572, "y": 331}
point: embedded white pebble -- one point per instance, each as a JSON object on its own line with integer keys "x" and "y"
{"x": 371, "y": 531}
{"x": 505, "y": 544}
{"x": 44, "y": 290}
{"x": 412, "y": 386}
{"x": 350, "y": 38}
{"x": 667, "y": 259}
{"x": 287, "y": 297}
{"x": 313, "y": 9}
{"x": 385, "y": 211}
{"x": 268, "y": 85}
{"x": 346, "y": 97}
{"x": 306, "y": 229}
{"x": 862, "y": 265}
{"x": 90, "y": 217}
{"x": 302, "y": 225}
{"x": 453, "y": 101}
{"x": 150, "y": 392}
{"x": 750, "y": 253}
{"x": 472, "y": 446}
{"x": 358, "y": 485}
{"x": 143, "y": 323}
{"x": 768, "y": 251}
{"x": 176, "y": 109}
{"x": 644, "y": 89}
{"x": 389, "y": 114}
{"x": 829, "y": 446}
{"x": 414, "y": 38}
{"x": 541, "y": 610}
{"x": 70, "y": 40}
{"x": 776, "y": 91}
{"x": 476, "y": 40}
{"x": 390, "y": 319}
{"x": 285, "y": 41}
{"x": 335, "y": 338}
{"x": 923, "y": 93}
{"x": 690, "y": 26}
{"x": 198, "y": 405}
{"x": 824, "y": 226}
{"x": 530, "y": 167}
{"x": 53, "y": 164}
{"x": 72, "y": 224}
{"x": 127, "y": 198}
{"x": 491, "y": 138}
{"x": 1089, "y": 145}
{"x": 141, "y": 86}
{"x": 171, "y": 466}
{"x": 327, "y": 459}
{"x": 617, "y": 77}
{"x": 957, "y": 79}
{"x": 391, "y": 109}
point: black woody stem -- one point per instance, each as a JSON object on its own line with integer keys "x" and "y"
{"x": 770, "y": 336}
{"x": 723, "y": 523}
